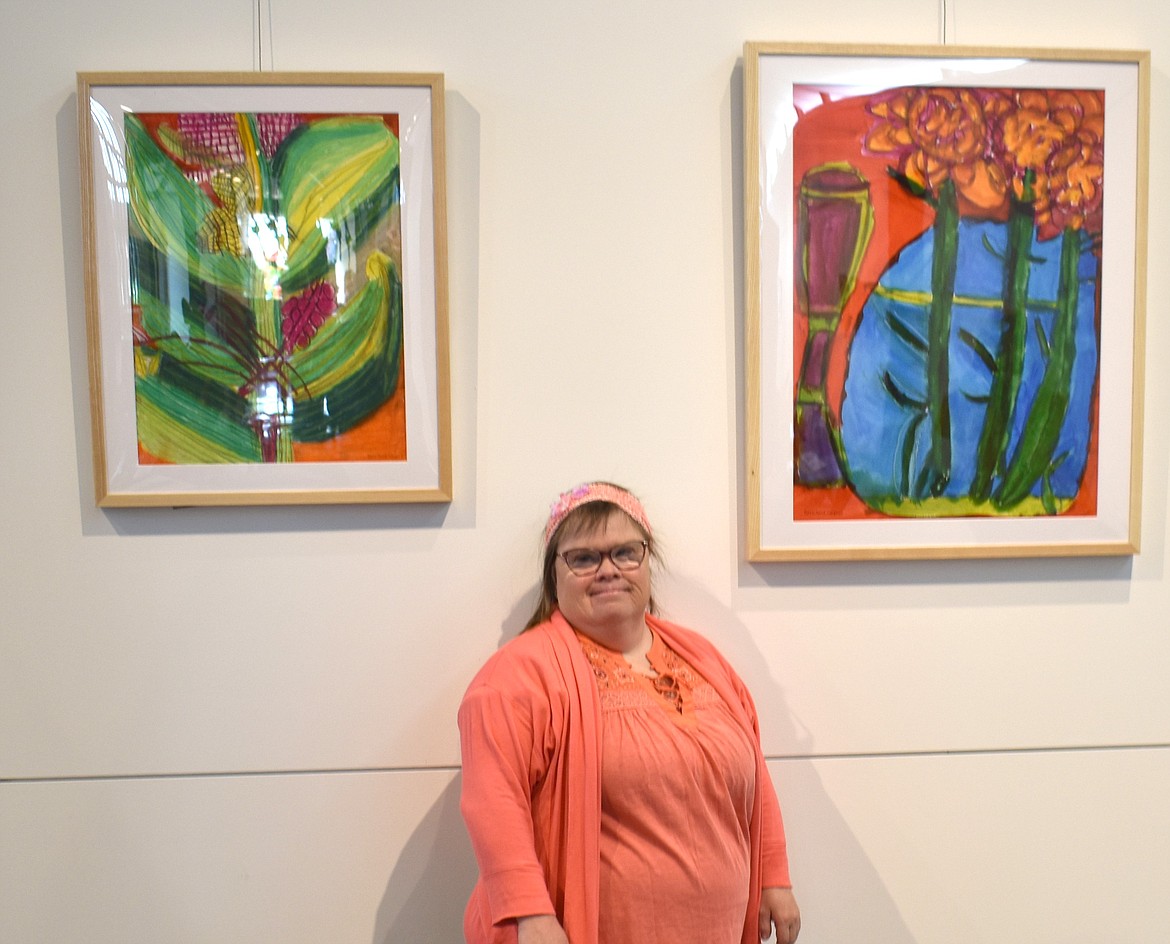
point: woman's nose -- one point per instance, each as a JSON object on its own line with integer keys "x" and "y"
{"x": 608, "y": 567}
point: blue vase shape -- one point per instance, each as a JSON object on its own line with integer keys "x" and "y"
{"x": 1025, "y": 456}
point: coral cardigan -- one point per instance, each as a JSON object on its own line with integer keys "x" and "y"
{"x": 530, "y": 731}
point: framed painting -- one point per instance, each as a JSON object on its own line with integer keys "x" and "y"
{"x": 266, "y": 287}
{"x": 944, "y": 301}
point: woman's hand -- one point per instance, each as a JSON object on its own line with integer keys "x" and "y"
{"x": 778, "y": 907}
{"x": 540, "y": 929}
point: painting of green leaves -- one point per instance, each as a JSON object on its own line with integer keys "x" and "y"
{"x": 265, "y": 259}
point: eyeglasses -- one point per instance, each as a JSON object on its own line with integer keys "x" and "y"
{"x": 584, "y": 561}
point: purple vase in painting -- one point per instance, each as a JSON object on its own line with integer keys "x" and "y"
{"x": 835, "y": 223}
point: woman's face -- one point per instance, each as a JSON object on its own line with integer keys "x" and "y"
{"x": 608, "y": 597}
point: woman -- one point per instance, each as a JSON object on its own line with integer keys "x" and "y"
{"x": 613, "y": 783}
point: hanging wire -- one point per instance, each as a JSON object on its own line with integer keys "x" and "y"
{"x": 256, "y": 51}
{"x": 266, "y": 5}
{"x": 262, "y": 35}
{"x": 944, "y": 21}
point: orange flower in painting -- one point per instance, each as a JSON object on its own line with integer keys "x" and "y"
{"x": 1041, "y": 147}
{"x": 1052, "y": 143}
{"x": 1034, "y": 130}
{"x": 1076, "y": 197}
{"x": 1078, "y": 169}
{"x": 939, "y": 134}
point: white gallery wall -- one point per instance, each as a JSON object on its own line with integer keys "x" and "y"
{"x": 237, "y": 725}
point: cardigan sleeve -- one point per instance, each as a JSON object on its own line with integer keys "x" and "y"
{"x": 502, "y": 757}
{"x": 773, "y": 845}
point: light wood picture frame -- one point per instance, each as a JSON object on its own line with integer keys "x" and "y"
{"x": 266, "y": 287}
{"x": 945, "y": 266}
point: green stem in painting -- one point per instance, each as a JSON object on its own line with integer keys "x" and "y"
{"x": 936, "y": 471}
{"x": 1033, "y": 458}
{"x": 991, "y": 451}
{"x": 269, "y": 390}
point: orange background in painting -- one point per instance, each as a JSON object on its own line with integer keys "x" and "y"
{"x": 831, "y": 127}
{"x": 381, "y": 437}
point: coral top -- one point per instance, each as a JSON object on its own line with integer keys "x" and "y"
{"x": 531, "y": 726}
{"x": 678, "y": 778}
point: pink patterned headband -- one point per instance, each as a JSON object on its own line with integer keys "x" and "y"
{"x": 591, "y": 492}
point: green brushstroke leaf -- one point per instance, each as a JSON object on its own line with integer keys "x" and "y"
{"x": 342, "y": 170}
{"x": 169, "y": 209}
{"x": 175, "y": 425}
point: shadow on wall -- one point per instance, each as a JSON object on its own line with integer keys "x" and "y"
{"x": 842, "y": 896}
{"x": 514, "y": 623}
{"x": 436, "y": 871}
{"x": 431, "y": 881}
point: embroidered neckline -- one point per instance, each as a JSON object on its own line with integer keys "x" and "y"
{"x": 673, "y": 686}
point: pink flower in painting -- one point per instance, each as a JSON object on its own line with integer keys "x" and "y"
{"x": 274, "y": 128}
{"x": 302, "y": 315}
{"x": 210, "y": 138}
{"x": 215, "y": 137}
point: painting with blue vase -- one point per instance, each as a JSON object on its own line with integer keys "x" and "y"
{"x": 947, "y": 339}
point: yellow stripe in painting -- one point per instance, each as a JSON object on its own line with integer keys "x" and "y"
{"x": 922, "y": 299}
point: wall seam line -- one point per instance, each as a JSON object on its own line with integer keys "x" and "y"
{"x": 351, "y": 771}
